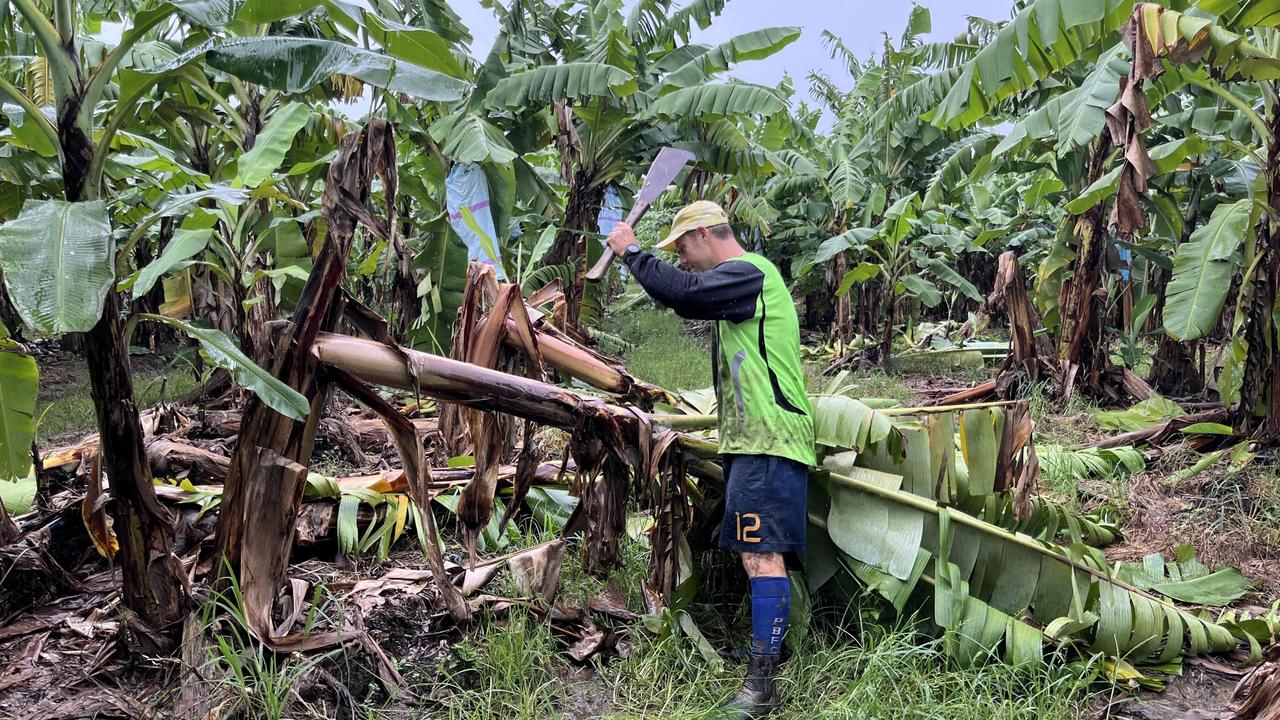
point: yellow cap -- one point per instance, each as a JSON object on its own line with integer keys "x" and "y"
{"x": 700, "y": 214}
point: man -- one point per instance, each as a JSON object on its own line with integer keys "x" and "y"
{"x": 765, "y": 423}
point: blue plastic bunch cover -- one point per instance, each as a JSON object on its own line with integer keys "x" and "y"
{"x": 610, "y": 216}
{"x": 610, "y": 212}
{"x": 466, "y": 187}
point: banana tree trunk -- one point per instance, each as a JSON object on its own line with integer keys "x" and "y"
{"x": 460, "y": 382}
{"x": 1082, "y": 350}
{"x": 844, "y": 308}
{"x": 818, "y": 313}
{"x": 886, "y": 338}
{"x": 154, "y": 587}
{"x": 255, "y": 330}
{"x": 1260, "y": 390}
{"x": 605, "y": 442}
{"x": 253, "y": 322}
{"x": 407, "y": 308}
{"x": 582, "y": 210}
{"x": 1030, "y": 351}
{"x": 9, "y": 317}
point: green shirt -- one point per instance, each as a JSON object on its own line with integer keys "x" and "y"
{"x": 762, "y": 405}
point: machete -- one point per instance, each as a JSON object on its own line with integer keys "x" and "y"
{"x": 664, "y": 169}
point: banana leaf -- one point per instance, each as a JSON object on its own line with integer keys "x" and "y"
{"x": 19, "y": 383}
{"x": 996, "y": 591}
{"x": 221, "y": 351}
{"x": 1186, "y": 579}
{"x": 56, "y": 258}
{"x": 1151, "y": 411}
{"x": 950, "y": 456}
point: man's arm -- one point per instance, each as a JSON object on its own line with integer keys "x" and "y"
{"x": 727, "y": 292}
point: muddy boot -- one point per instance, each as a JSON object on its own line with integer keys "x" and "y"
{"x": 758, "y": 696}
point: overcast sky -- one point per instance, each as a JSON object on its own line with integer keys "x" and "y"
{"x": 859, "y": 22}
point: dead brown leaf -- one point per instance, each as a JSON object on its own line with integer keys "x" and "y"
{"x": 537, "y": 573}
{"x": 610, "y": 602}
{"x": 93, "y": 513}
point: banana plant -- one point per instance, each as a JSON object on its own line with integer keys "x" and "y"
{"x": 1238, "y": 51}
{"x": 1062, "y": 63}
{"x": 1042, "y": 39}
{"x": 612, "y": 88}
{"x": 900, "y": 259}
{"x": 1206, "y": 261}
{"x": 76, "y": 230}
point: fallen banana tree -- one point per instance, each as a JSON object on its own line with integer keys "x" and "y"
{"x": 599, "y": 428}
{"x": 992, "y": 588}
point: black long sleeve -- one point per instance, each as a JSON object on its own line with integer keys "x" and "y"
{"x": 725, "y": 292}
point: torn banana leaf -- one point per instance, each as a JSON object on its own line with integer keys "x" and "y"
{"x": 1091, "y": 462}
{"x": 994, "y": 592}
{"x": 963, "y": 456}
{"x": 1151, "y": 411}
{"x": 1186, "y": 579}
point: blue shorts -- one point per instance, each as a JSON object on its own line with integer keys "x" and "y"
{"x": 765, "y": 504}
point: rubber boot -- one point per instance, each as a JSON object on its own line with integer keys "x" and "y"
{"x": 758, "y": 696}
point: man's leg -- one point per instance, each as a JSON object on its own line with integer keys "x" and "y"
{"x": 770, "y": 601}
{"x": 770, "y": 605}
{"x": 765, "y": 515}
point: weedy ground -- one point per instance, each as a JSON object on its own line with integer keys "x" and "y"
{"x": 513, "y": 669}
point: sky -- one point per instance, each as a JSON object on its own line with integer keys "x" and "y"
{"x": 859, "y": 22}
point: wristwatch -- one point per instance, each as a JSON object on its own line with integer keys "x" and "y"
{"x": 632, "y": 249}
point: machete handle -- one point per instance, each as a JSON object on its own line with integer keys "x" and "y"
{"x": 598, "y": 270}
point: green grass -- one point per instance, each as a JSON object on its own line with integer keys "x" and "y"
{"x": 512, "y": 666}
{"x": 949, "y": 365}
{"x": 871, "y": 672}
{"x": 1072, "y": 423}
{"x": 506, "y": 670}
{"x": 869, "y": 383}
{"x": 263, "y": 681}
{"x": 68, "y": 409}
{"x": 662, "y": 352}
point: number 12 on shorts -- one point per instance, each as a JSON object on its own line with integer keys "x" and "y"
{"x": 752, "y": 526}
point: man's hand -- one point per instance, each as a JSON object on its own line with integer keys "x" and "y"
{"x": 620, "y": 238}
